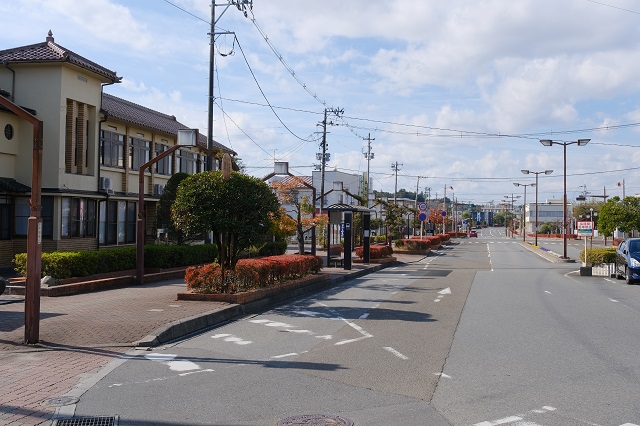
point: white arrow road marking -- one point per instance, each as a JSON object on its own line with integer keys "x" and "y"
{"x": 548, "y": 292}
{"x": 442, "y": 293}
{"x": 616, "y": 301}
{"x": 446, "y": 376}
{"x": 356, "y": 327}
{"x": 168, "y": 359}
{"x": 395, "y": 352}
{"x": 232, "y": 339}
{"x": 364, "y": 316}
{"x": 517, "y": 418}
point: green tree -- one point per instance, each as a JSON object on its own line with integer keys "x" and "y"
{"x": 622, "y": 214}
{"x": 163, "y": 212}
{"x": 238, "y": 211}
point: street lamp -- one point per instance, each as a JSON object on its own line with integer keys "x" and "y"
{"x": 524, "y": 206}
{"x": 546, "y": 172}
{"x": 186, "y": 138}
{"x": 579, "y": 142}
{"x": 444, "y": 218}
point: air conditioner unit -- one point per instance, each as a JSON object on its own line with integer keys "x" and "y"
{"x": 105, "y": 184}
{"x": 158, "y": 189}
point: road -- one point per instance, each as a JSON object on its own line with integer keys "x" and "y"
{"x": 484, "y": 332}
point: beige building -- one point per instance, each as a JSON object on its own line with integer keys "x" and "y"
{"x": 94, "y": 145}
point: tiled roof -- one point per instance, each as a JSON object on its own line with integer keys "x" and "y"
{"x": 49, "y": 51}
{"x": 12, "y": 185}
{"x": 307, "y": 179}
{"x": 129, "y": 112}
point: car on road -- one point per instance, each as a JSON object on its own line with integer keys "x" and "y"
{"x": 627, "y": 264}
{"x": 473, "y": 232}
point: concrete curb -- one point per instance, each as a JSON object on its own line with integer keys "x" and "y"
{"x": 187, "y": 326}
{"x": 550, "y": 256}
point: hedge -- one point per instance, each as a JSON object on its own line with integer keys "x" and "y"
{"x": 599, "y": 255}
{"x": 413, "y": 244}
{"x": 69, "y": 264}
{"x": 375, "y": 252}
{"x": 250, "y": 273}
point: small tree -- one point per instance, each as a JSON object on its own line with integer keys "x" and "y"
{"x": 239, "y": 211}
{"x": 163, "y": 212}
{"x": 621, "y": 214}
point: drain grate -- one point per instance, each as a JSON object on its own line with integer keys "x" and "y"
{"x": 315, "y": 420}
{"x": 87, "y": 421}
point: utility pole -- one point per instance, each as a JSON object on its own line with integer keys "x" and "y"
{"x": 324, "y": 156}
{"x": 243, "y": 6}
{"x": 369, "y": 156}
{"x": 395, "y": 167}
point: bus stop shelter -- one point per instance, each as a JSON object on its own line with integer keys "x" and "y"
{"x": 348, "y": 211}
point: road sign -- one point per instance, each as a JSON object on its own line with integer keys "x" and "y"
{"x": 444, "y": 214}
{"x": 422, "y": 216}
{"x": 422, "y": 206}
{"x": 585, "y": 228}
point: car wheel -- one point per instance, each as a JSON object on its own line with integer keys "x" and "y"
{"x": 627, "y": 276}
{"x": 616, "y": 272}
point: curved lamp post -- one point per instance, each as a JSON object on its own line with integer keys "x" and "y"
{"x": 579, "y": 142}
{"x": 546, "y": 172}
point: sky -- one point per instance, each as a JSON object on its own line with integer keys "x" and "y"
{"x": 458, "y": 94}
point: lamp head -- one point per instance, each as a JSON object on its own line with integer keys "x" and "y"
{"x": 516, "y": 184}
{"x": 583, "y": 142}
{"x": 548, "y": 172}
{"x": 546, "y": 142}
{"x": 526, "y": 172}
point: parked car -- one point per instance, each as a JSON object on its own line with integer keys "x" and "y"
{"x": 627, "y": 264}
{"x": 473, "y": 232}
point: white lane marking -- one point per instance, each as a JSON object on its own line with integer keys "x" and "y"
{"x": 300, "y": 331}
{"x": 232, "y": 339}
{"x": 325, "y": 337}
{"x": 445, "y": 291}
{"x": 396, "y": 353}
{"x": 548, "y": 292}
{"x": 517, "y": 418}
{"x": 156, "y": 310}
{"x": 168, "y": 359}
{"x": 614, "y": 300}
{"x": 446, "y": 376}
{"x": 174, "y": 306}
{"x": 500, "y": 421}
{"x": 307, "y": 313}
{"x": 629, "y": 424}
{"x": 286, "y": 355}
{"x": 356, "y": 327}
{"x": 208, "y": 370}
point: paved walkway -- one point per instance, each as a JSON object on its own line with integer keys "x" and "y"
{"x": 80, "y": 334}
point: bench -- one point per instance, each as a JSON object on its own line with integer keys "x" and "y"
{"x": 336, "y": 260}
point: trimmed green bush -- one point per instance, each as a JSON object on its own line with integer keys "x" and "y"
{"x": 69, "y": 264}
{"x": 599, "y": 255}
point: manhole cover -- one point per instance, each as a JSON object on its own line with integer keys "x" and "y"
{"x": 60, "y": 401}
{"x": 315, "y": 420}
{"x": 87, "y": 421}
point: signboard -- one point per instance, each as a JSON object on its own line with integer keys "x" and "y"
{"x": 422, "y": 216}
{"x": 585, "y": 228}
{"x": 444, "y": 214}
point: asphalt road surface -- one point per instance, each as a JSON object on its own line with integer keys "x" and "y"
{"x": 484, "y": 332}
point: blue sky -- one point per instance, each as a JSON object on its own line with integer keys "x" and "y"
{"x": 458, "y": 92}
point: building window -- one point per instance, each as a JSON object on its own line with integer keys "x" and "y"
{"x": 76, "y": 137}
{"x": 138, "y": 153}
{"x": 187, "y": 161}
{"x": 78, "y": 217}
{"x": 117, "y": 222}
{"x": 5, "y": 217}
{"x": 163, "y": 166}
{"x": 111, "y": 149}
{"x": 22, "y": 211}
{"x": 8, "y": 132}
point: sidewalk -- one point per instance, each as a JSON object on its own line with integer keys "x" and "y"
{"x": 79, "y": 334}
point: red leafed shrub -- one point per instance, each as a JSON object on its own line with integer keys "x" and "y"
{"x": 375, "y": 252}
{"x": 413, "y": 244}
{"x": 251, "y": 273}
